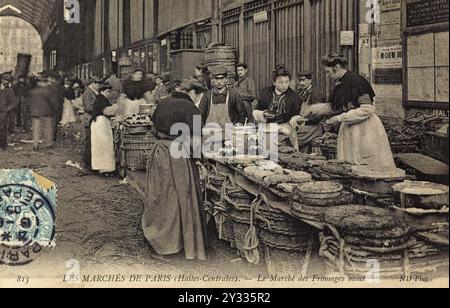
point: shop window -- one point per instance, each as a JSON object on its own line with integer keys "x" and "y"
{"x": 181, "y": 40}
{"x": 428, "y": 67}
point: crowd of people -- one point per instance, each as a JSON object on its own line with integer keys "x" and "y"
{"x": 36, "y": 106}
{"x": 173, "y": 220}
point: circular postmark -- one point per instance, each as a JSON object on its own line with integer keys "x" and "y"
{"x": 27, "y": 224}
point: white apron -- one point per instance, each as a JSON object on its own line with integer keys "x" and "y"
{"x": 68, "y": 115}
{"x": 102, "y": 148}
{"x": 133, "y": 107}
{"x": 365, "y": 143}
{"x": 219, "y": 113}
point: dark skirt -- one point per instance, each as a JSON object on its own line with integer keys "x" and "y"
{"x": 173, "y": 220}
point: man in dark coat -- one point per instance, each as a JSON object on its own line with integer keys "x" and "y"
{"x": 8, "y": 102}
{"x": 58, "y": 92}
{"x": 246, "y": 88}
{"x": 44, "y": 109}
{"x": 22, "y": 90}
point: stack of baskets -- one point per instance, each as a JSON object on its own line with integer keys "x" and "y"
{"x": 239, "y": 203}
{"x": 355, "y": 235}
{"x": 312, "y": 200}
{"x": 216, "y": 206}
{"x": 135, "y": 149}
{"x": 222, "y": 56}
{"x": 287, "y": 241}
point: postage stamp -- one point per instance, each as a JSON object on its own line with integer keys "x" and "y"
{"x": 27, "y": 216}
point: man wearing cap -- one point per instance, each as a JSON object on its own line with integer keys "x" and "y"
{"x": 222, "y": 105}
{"x": 312, "y": 127}
{"x": 247, "y": 89}
{"x": 7, "y": 103}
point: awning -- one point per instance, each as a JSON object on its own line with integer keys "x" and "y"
{"x": 231, "y": 4}
{"x": 175, "y": 14}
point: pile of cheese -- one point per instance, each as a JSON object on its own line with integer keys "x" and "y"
{"x": 272, "y": 174}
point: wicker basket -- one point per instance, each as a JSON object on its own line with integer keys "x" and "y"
{"x": 241, "y": 224}
{"x": 298, "y": 242}
{"x": 240, "y": 232}
{"x": 136, "y": 150}
{"x": 226, "y": 231}
{"x": 284, "y": 262}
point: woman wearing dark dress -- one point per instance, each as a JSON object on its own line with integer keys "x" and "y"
{"x": 137, "y": 91}
{"x": 362, "y": 137}
{"x": 173, "y": 220}
{"x": 279, "y": 104}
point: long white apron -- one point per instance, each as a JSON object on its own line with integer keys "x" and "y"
{"x": 102, "y": 148}
{"x": 365, "y": 143}
{"x": 68, "y": 115}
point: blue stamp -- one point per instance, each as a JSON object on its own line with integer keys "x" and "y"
{"x": 27, "y": 216}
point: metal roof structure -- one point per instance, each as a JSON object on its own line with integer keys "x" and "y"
{"x": 36, "y": 12}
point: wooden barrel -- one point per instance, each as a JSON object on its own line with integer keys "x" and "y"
{"x": 223, "y": 56}
{"x": 220, "y": 52}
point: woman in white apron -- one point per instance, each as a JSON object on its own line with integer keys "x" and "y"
{"x": 102, "y": 148}
{"x": 362, "y": 137}
{"x": 68, "y": 115}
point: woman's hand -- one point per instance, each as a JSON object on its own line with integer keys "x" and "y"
{"x": 333, "y": 121}
{"x": 259, "y": 116}
{"x": 295, "y": 121}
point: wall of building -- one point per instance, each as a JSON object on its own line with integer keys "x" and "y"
{"x": 19, "y": 36}
{"x": 380, "y": 54}
{"x": 264, "y": 32}
{"x": 296, "y": 33}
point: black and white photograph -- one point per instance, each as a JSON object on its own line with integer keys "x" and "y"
{"x": 224, "y": 144}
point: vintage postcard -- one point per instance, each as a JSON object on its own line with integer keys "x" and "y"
{"x": 214, "y": 144}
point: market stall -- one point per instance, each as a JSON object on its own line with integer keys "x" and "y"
{"x": 281, "y": 217}
{"x": 304, "y": 206}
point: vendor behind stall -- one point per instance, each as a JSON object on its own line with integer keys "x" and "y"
{"x": 279, "y": 104}
{"x": 312, "y": 127}
{"x": 222, "y": 105}
{"x": 173, "y": 220}
{"x": 362, "y": 137}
